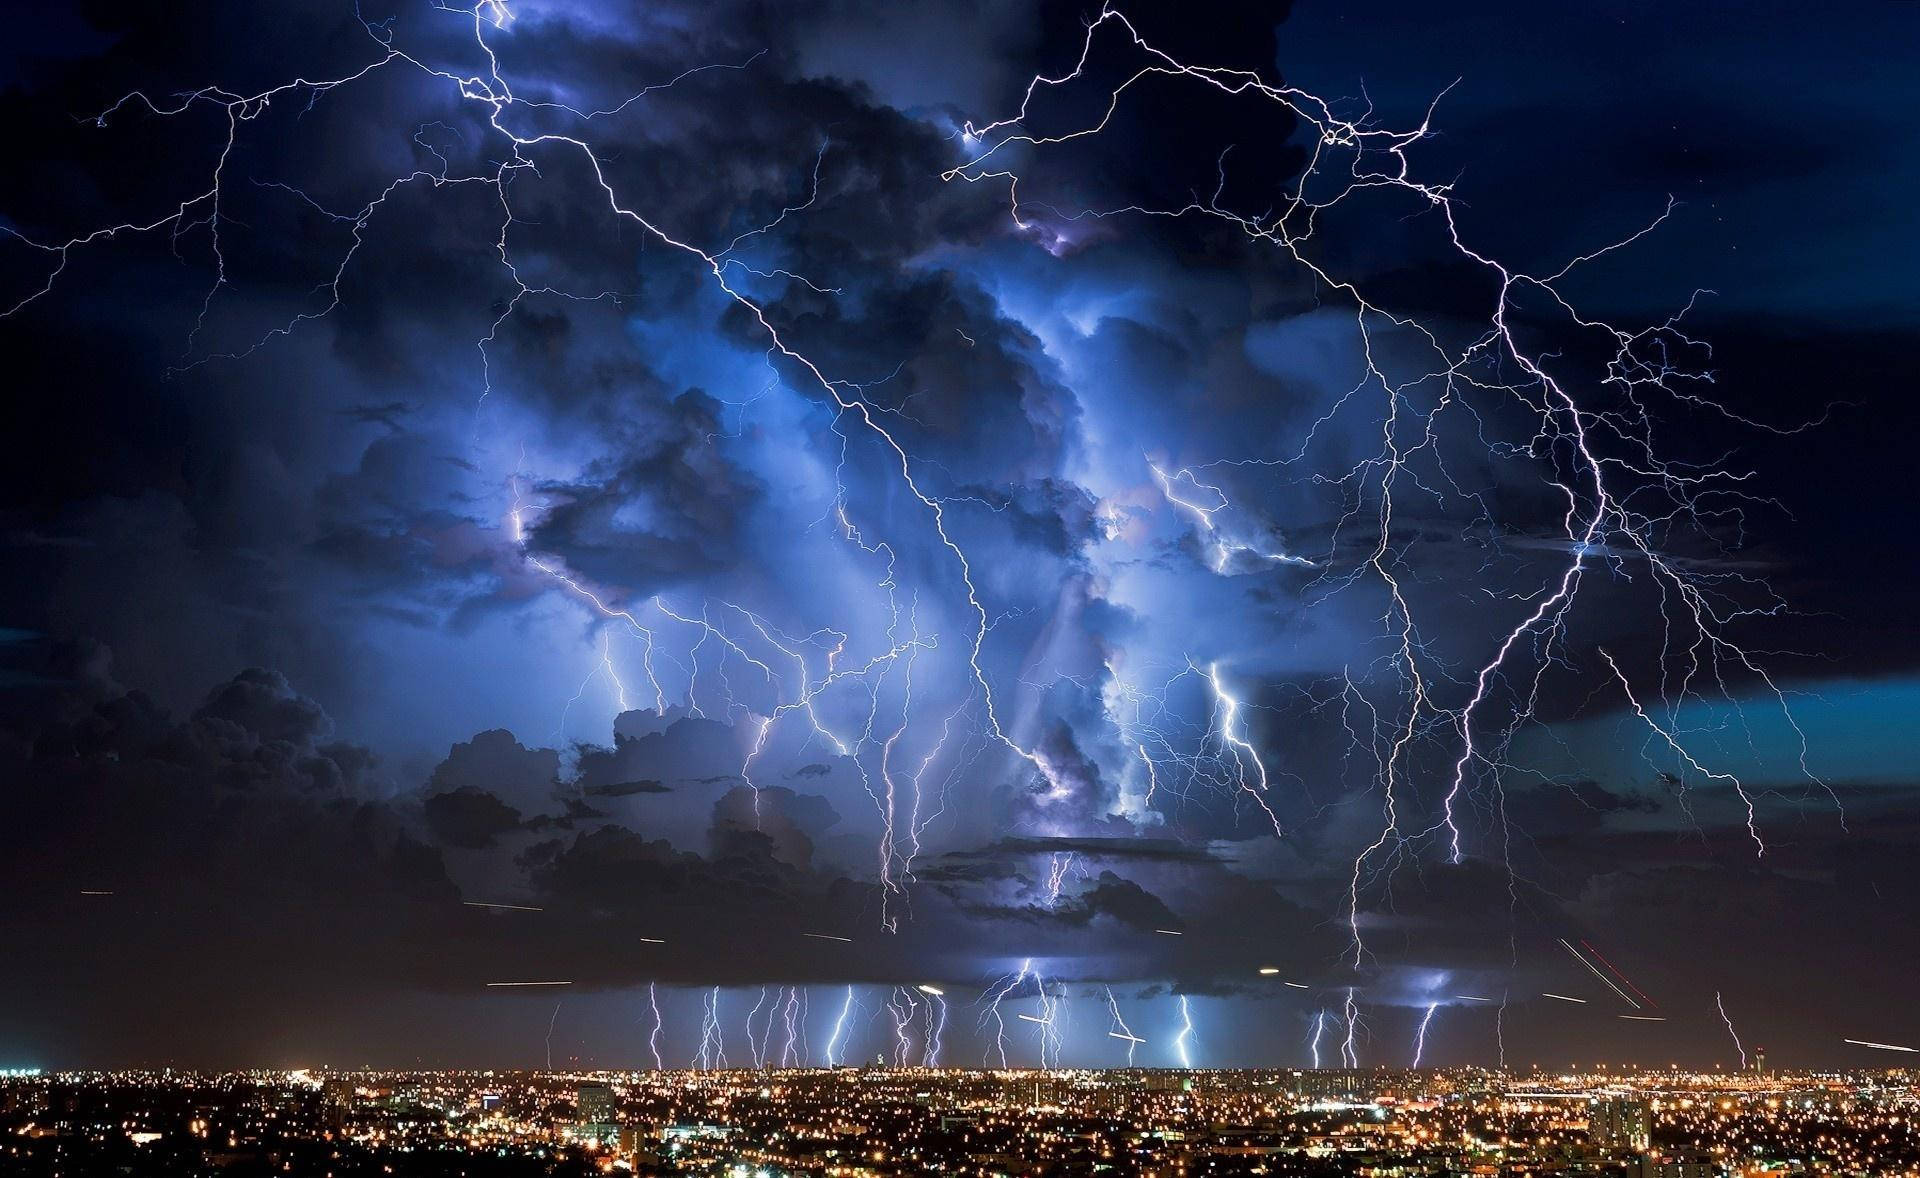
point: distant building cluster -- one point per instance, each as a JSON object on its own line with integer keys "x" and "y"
{"x": 895, "y": 1122}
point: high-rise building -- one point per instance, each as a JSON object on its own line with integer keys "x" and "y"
{"x": 1617, "y": 1125}
{"x": 598, "y": 1120}
{"x": 1759, "y": 1061}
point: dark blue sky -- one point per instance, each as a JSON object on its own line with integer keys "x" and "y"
{"x": 729, "y": 515}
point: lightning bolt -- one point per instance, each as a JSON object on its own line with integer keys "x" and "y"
{"x": 936, "y": 1028}
{"x": 551, "y": 1020}
{"x": 653, "y": 1037}
{"x": 1120, "y": 1029}
{"x": 1593, "y": 446}
{"x": 1183, "y": 1039}
{"x": 1349, "y": 1051}
{"x": 793, "y": 1052}
{"x": 1420, "y": 1036}
{"x": 839, "y": 1036}
{"x": 1731, "y": 1033}
{"x": 1620, "y": 497}
{"x": 713, "y": 1051}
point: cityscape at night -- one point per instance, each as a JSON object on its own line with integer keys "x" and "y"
{"x": 875, "y": 1122}
{"x": 831, "y": 588}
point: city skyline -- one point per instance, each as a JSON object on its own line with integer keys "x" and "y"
{"x": 1057, "y": 535}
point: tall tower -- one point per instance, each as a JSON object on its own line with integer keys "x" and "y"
{"x": 1759, "y": 1061}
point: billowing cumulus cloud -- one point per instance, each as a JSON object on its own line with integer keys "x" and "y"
{"x": 791, "y": 568}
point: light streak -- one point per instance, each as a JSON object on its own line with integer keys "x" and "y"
{"x": 1612, "y": 969}
{"x": 1184, "y": 1038}
{"x": 1267, "y": 971}
{"x": 1033, "y": 1018}
{"x": 838, "y": 1037}
{"x": 481, "y": 904}
{"x": 1879, "y": 1046}
{"x": 1643, "y": 1018}
{"x": 1296, "y": 985}
{"x": 1562, "y": 998}
{"x": 933, "y": 990}
{"x": 1169, "y": 932}
{"x": 1471, "y": 998}
{"x": 94, "y": 892}
{"x": 828, "y": 937}
{"x": 1733, "y": 1034}
{"x": 1420, "y": 1036}
{"x": 1595, "y": 971}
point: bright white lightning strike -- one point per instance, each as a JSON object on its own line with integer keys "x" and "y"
{"x": 1182, "y": 1040}
{"x": 653, "y": 1037}
{"x": 1420, "y": 1036}
{"x": 1602, "y": 516}
{"x": 838, "y": 1038}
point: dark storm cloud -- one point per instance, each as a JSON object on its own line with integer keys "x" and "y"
{"x": 467, "y": 817}
{"x": 353, "y": 505}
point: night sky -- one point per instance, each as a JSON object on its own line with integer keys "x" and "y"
{"x": 700, "y": 475}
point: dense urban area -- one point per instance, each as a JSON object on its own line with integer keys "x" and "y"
{"x": 885, "y": 1122}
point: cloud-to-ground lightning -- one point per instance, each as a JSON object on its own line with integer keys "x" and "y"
{"x": 551, "y": 1020}
{"x": 935, "y": 1030}
{"x": 1120, "y": 1029}
{"x": 1603, "y": 464}
{"x": 1183, "y": 1038}
{"x": 713, "y": 1050}
{"x": 653, "y": 1035}
{"x": 838, "y": 1038}
{"x": 1726, "y": 1018}
{"x": 1420, "y": 1035}
{"x": 1620, "y": 497}
{"x": 1349, "y": 1046}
